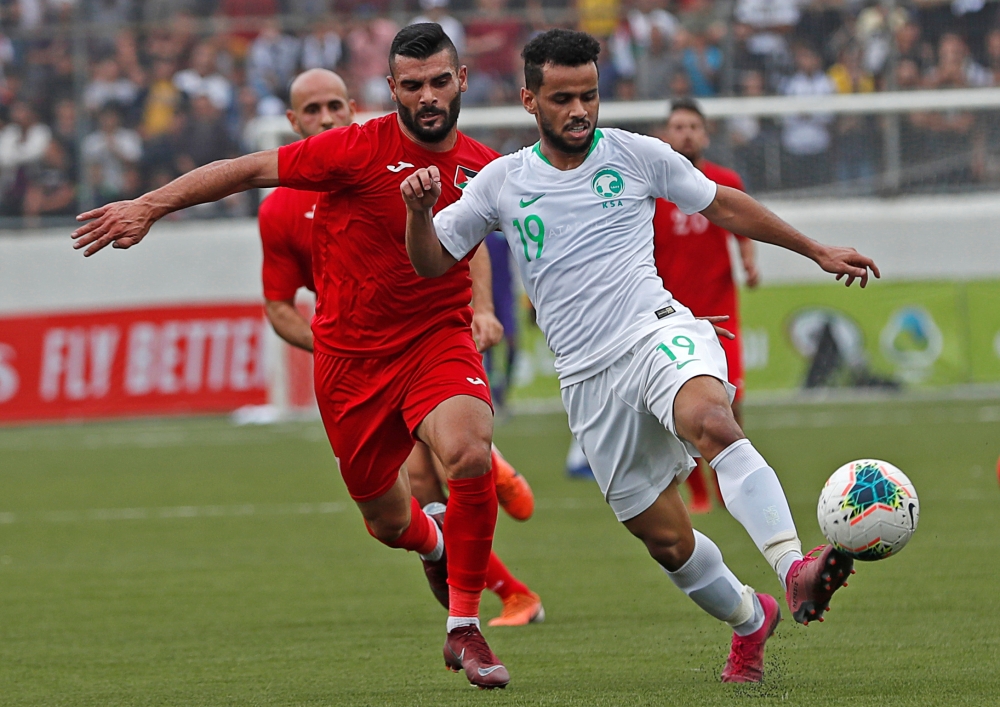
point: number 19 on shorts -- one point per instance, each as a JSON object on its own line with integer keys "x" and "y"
{"x": 533, "y": 230}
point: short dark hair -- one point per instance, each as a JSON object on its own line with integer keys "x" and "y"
{"x": 420, "y": 41}
{"x": 562, "y": 47}
{"x": 688, "y": 104}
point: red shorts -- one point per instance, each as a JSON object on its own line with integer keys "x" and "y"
{"x": 371, "y": 407}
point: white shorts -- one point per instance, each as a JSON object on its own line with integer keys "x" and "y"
{"x": 624, "y": 416}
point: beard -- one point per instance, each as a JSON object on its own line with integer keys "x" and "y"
{"x": 431, "y": 135}
{"x": 557, "y": 141}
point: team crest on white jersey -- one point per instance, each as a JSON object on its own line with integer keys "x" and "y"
{"x": 608, "y": 184}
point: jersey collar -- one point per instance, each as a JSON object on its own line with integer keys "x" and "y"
{"x": 537, "y": 149}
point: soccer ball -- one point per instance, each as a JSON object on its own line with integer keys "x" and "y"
{"x": 868, "y": 509}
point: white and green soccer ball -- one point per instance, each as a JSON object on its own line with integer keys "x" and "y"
{"x": 868, "y": 509}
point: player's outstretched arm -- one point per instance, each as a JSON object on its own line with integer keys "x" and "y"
{"x": 125, "y": 223}
{"x": 289, "y": 324}
{"x": 420, "y": 193}
{"x": 738, "y": 213}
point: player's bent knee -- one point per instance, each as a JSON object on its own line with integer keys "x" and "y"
{"x": 387, "y": 530}
{"x": 671, "y": 548}
{"x": 469, "y": 461}
{"x": 714, "y": 429}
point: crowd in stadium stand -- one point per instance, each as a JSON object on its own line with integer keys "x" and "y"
{"x": 167, "y": 85}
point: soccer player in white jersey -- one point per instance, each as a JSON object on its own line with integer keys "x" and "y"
{"x": 643, "y": 381}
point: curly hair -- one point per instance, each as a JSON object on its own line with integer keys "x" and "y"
{"x": 561, "y": 47}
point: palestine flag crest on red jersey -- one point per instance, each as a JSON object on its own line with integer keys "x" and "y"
{"x": 463, "y": 175}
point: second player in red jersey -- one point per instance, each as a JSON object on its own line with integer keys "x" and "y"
{"x": 692, "y": 259}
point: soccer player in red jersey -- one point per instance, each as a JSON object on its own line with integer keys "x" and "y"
{"x": 394, "y": 355}
{"x": 319, "y": 102}
{"x": 692, "y": 259}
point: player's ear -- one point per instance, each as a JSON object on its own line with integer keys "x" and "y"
{"x": 528, "y": 101}
{"x": 293, "y": 120}
{"x": 463, "y": 78}
{"x": 352, "y": 108}
{"x": 392, "y": 86}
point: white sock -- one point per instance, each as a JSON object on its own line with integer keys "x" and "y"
{"x": 435, "y": 554}
{"x": 459, "y": 621}
{"x": 713, "y": 586}
{"x": 755, "y": 498}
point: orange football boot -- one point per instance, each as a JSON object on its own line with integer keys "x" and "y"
{"x": 513, "y": 491}
{"x": 520, "y": 610}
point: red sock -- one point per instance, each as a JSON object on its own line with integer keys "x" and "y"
{"x": 469, "y": 523}
{"x": 500, "y": 581}
{"x": 463, "y": 603}
{"x": 696, "y": 485}
{"x": 420, "y": 535}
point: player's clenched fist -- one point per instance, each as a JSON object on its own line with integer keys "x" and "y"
{"x": 422, "y": 188}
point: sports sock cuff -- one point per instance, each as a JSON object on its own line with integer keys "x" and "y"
{"x": 462, "y": 603}
{"x": 740, "y": 459}
{"x": 745, "y": 611}
{"x": 696, "y": 566}
{"x": 778, "y": 547}
{"x": 459, "y": 621}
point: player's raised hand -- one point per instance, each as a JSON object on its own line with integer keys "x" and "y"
{"x": 847, "y": 262}
{"x": 422, "y": 188}
{"x": 121, "y": 224}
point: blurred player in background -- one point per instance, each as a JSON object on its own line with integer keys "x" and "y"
{"x": 692, "y": 259}
{"x": 643, "y": 381}
{"x": 319, "y": 101}
{"x": 394, "y": 356}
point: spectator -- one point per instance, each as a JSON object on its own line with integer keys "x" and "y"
{"x": 22, "y": 145}
{"x": 993, "y": 54}
{"x": 273, "y": 59}
{"x": 204, "y": 79}
{"x": 752, "y": 137}
{"x": 322, "y": 48}
{"x": 493, "y": 41}
{"x": 950, "y": 135}
{"x": 874, "y": 32}
{"x": 702, "y": 62}
{"x": 109, "y": 88}
{"x": 369, "y": 44}
{"x": 64, "y": 131}
{"x": 436, "y": 11}
{"x": 51, "y": 189}
{"x": 955, "y": 68}
{"x": 911, "y": 46}
{"x": 806, "y": 138}
{"x": 645, "y": 40}
{"x": 109, "y": 154}
{"x": 855, "y": 146}
{"x": 162, "y": 100}
{"x": 762, "y": 27}
{"x": 206, "y": 138}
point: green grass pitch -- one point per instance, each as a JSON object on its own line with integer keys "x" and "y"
{"x": 194, "y": 563}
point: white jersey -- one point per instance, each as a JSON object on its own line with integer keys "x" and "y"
{"x": 583, "y": 240}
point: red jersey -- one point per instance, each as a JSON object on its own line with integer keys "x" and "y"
{"x": 371, "y": 301}
{"x": 692, "y": 253}
{"x": 286, "y": 220}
